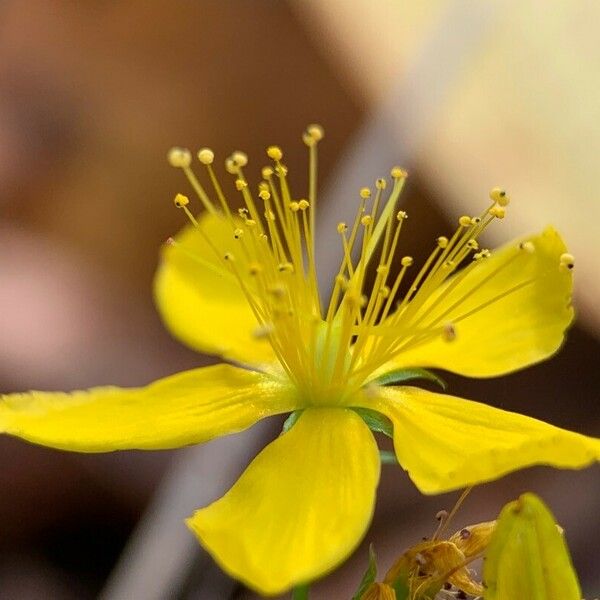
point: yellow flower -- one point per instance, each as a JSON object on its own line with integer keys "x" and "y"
{"x": 243, "y": 285}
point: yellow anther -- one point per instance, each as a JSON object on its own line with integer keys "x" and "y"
{"x": 464, "y": 221}
{"x": 366, "y": 220}
{"x": 472, "y": 244}
{"x": 179, "y": 157}
{"x": 254, "y": 268}
{"x": 281, "y": 170}
{"x": 285, "y": 267}
{"x": 398, "y": 173}
{"x": 264, "y": 194}
{"x": 266, "y": 172}
{"x": 365, "y": 193}
{"x": 238, "y": 233}
{"x": 250, "y": 222}
{"x": 567, "y": 260}
{"x": 269, "y": 215}
{"x": 206, "y": 156}
{"x": 240, "y": 184}
{"x": 303, "y": 204}
{"x": 316, "y": 132}
{"x": 527, "y": 247}
{"x": 263, "y": 331}
{"x": 180, "y": 201}
{"x": 342, "y": 227}
{"x": 383, "y": 269}
{"x": 277, "y": 289}
{"x": 442, "y": 241}
{"x": 401, "y": 214}
{"x": 407, "y": 261}
{"x": 294, "y": 206}
{"x": 485, "y": 253}
{"x": 449, "y": 332}
{"x": 230, "y": 166}
{"x": 239, "y": 158}
{"x": 381, "y": 184}
{"x": 274, "y": 152}
{"x": 384, "y": 291}
{"x": 475, "y": 220}
{"x": 497, "y": 211}
{"x": 363, "y": 301}
{"x": 499, "y": 196}
{"x": 263, "y": 185}
{"x": 228, "y": 256}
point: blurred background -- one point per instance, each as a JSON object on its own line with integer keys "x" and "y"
{"x": 92, "y": 94}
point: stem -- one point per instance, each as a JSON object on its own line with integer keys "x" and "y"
{"x": 387, "y": 457}
{"x": 301, "y": 592}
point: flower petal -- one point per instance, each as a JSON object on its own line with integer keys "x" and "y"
{"x": 496, "y": 332}
{"x": 186, "y": 408}
{"x": 446, "y": 443}
{"x": 301, "y": 506}
{"x": 200, "y": 302}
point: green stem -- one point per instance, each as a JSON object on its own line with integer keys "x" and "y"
{"x": 301, "y": 592}
{"x": 387, "y": 457}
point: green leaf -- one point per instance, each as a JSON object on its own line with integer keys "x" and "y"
{"x": 369, "y": 576}
{"x": 527, "y": 556}
{"x": 403, "y": 375}
{"x": 291, "y": 421}
{"x": 375, "y": 421}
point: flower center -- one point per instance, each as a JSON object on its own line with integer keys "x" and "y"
{"x": 329, "y": 350}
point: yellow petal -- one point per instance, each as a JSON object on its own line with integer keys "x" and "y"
{"x": 300, "y": 508}
{"x": 187, "y": 408}
{"x": 516, "y": 330}
{"x": 446, "y": 443}
{"x": 528, "y": 557}
{"x": 202, "y": 303}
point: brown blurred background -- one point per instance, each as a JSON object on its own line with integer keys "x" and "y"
{"x": 92, "y": 94}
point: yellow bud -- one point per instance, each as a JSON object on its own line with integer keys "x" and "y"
{"x": 527, "y": 556}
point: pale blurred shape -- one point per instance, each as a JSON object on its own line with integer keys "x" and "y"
{"x": 524, "y": 114}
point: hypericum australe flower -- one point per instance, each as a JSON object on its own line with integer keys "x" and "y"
{"x": 243, "y": 285}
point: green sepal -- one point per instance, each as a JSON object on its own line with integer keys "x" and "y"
{"x": 388, "y": 457}
{"x": 291, "y": 420}
{"x": 375, "y": 420}
{"x": 369, "y": 576}
{"x": 399, "y": 376}
{"x": 301, "y": 592}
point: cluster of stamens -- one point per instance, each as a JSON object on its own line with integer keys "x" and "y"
{"x": 328, "y": 348}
